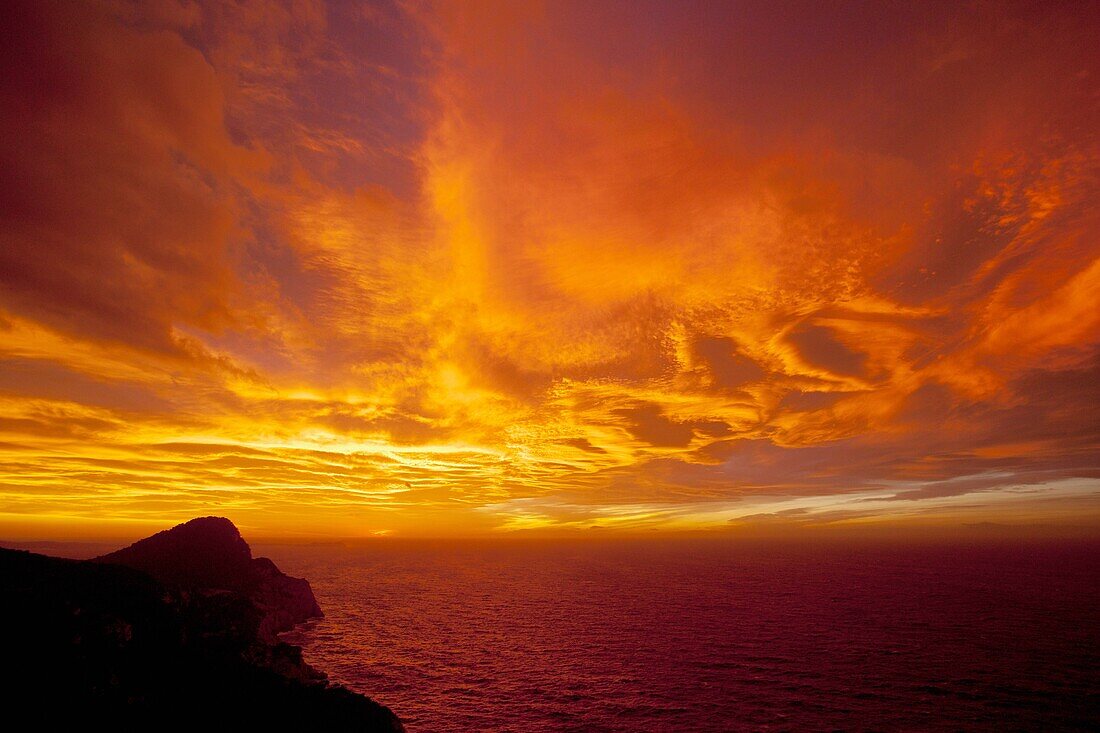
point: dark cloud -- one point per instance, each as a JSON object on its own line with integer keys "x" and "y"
{"x": 727, "y": 368}
{"x": 820, "y": 347}
{"x": 117, "y": 189}
{"x": 583, "y": 444}
{"x": 646, "y": 423}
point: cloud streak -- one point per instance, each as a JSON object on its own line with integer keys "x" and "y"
{"x": 460, "y": 268}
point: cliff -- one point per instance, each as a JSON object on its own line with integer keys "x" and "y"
{"x": 175, "y": 631}
{"x": 208, "y": 554}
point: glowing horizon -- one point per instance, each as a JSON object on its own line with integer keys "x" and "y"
{"x": 437, "y": 269}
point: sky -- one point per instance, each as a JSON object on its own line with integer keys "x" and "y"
{"x": 481, "y": 268}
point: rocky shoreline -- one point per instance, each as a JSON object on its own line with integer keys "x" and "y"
{"x": 178, "y": 630}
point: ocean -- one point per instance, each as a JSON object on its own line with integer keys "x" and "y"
{"x": 709, "y": 635}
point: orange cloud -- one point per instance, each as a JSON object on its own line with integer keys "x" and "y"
{"x": 470, "y": 267}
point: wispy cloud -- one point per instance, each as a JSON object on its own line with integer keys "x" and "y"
{"x": 462, "y": 267}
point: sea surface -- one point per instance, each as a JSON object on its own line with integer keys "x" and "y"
{"x": 709, "y": 635}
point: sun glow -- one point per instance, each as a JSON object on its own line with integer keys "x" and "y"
{"x": 507, "y": 276}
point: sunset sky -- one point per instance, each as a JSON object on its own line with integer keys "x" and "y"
{"x": 471, "y": 268}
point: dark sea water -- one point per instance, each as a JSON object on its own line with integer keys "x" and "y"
{"x": 710, "y": 635}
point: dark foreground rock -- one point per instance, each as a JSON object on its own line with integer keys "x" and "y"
{"x": 209, "y": 554}
{"x": 185, "y": 642}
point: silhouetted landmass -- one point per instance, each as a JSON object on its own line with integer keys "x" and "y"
{"x": 182, "y": 638}
{"x": 209, "y": 553}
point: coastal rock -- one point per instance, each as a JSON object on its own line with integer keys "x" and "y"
{"x": 208, "y": 554}
{"x": 173, "y": 632}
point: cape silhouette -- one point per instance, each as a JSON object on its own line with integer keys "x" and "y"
{"x": 176, "y": 631}
{"x": 209, "y": 554}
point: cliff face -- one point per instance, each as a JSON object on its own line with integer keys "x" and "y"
{"x": 177, "y": 631}
{"x": 209, "y": 554}
{"x": 283, "y": 600}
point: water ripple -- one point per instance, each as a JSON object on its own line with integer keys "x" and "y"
{"x": 706, "y": 636}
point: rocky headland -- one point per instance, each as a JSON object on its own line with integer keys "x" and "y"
{"x": 176, "y": 631}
